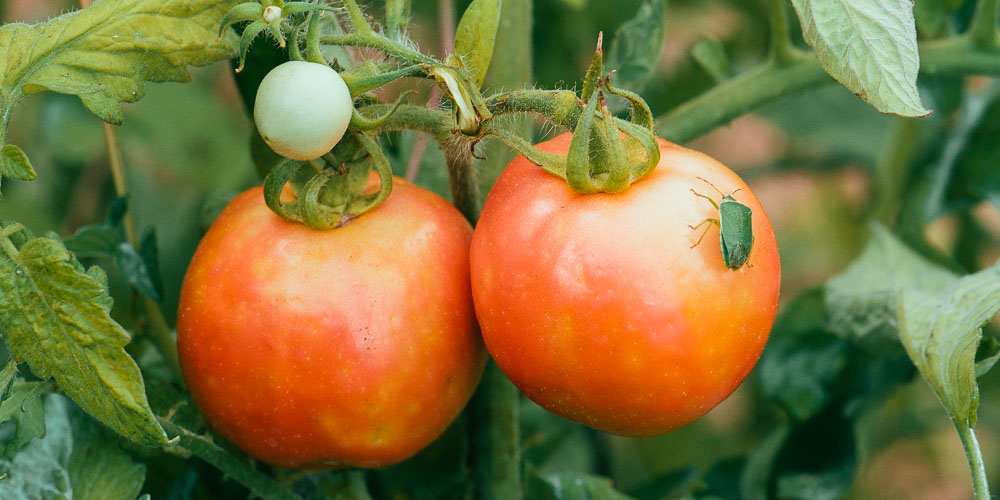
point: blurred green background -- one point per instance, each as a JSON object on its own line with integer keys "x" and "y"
{"x": 809, "y": 157}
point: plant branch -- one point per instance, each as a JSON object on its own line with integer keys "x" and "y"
{"x": 390, "y": 47}
{"x": 983, "y": 28}
{"x": 748, "y": 91}
{"x": 782, "y": 50}
{"x": 893, "y": 165}
{"x": 161, "y": 333}
{"x": 975, "y": 456}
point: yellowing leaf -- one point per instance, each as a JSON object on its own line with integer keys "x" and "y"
{"x": 56, "y": 317}
{"x": 870, "y": 46}
{"x": 105, "y": 52}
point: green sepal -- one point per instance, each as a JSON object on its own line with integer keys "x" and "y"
{"x": 551, "y": 163}
{"x": 248, "y": 11}
{"x": 274, "y": 28}
{"x": 595, "y": 73}
{"x": 249, "y": 33}
{"x": 579, "y": 158}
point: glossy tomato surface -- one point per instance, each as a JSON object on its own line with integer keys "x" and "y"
{"x": 349, "y": 347}
{"x": 598, "y": 308}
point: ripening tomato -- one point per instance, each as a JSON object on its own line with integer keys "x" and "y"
{"x": 349, "y": 347}
{"x": 598, "y": 307}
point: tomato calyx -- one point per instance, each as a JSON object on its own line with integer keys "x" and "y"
{"x": 607, "y": 154}
{"x": 336, "y": 194}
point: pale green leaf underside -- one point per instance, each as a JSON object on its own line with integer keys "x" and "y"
{"x": 861, "y": 301}
{"x": 104, "y": 53}
{"x": 75, "y": 459}
{"x": 56, "y": 318}
{"x": 869, "y": 46}
{"x": 941, "y": 331}
{"x": 476, "y": 36}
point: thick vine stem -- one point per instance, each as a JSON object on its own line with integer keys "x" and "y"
{"x": 893, "y": 166}
{"x": 162, "y": 336}
{"x": 748, "y": 91}
{"x": 975, "y": 456}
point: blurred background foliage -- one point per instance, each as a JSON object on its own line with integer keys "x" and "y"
{"x": 810, "y": 157}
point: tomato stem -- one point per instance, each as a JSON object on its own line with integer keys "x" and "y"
{"x": 983, "y": 28}
{"x": 782, "y": 51}
{"x": 162, "y": 336}
{"x": 975, "y": 457}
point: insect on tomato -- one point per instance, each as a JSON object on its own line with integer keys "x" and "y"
{"x": 735, "y": 225}
{"x": 349, "y": 347}
{"x": 598, "y": 308}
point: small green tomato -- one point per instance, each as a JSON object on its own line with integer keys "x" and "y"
{"x": 735, "y": 228}
{"x": 302, "y": 109}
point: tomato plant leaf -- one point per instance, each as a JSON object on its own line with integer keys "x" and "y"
{"x": 869, "y": 46}
{"x": 14, "y": 163}
{"x": 136, "y": 272}
{"x": 538, "y": 486}
{"x": 23, "y": 410}
{"x": 103, "y": 54}
{"x": 861, "y": 301}
{"x": 7, "y": 377}
{"x": 74, "y": 459}
{"x": 476, "y": 35}
{"x": 635, "y": 50}
{"x": 941, "y": 331}
{"x": 93, "y": 240}
{"x": 56, "y": 317}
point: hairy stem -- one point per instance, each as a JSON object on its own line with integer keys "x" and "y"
{"x": 975, "y": 456}
{"x": 390, "y": 47}
{"x": 162, "y": 336}
{"x": 462, "y": 177}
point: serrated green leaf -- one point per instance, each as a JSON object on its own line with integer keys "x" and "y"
{"x": 76, "y": 459}
{"x": 476, "y": 36}
{"x": 56, "y": 317}
{"x": 869, "y": 46}
{"x": 23, "y": 411}
{"x": 14, "y": 164}
{"x": 103, "y": 54}
{"x": 941, "y": 331}
{"x": 635, "y": 50}
{"x": 861, "y": 301}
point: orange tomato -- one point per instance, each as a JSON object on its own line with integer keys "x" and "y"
{"x": 350, "y": 347}
{"x": 598, "y": 307}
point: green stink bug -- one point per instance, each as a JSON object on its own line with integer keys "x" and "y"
{"x": 735, "y": 228}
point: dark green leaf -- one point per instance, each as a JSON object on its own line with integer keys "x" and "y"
{"x": 861, "y": 301}
{"x": 132, "y": 265}
{"x": 150, "y": 252}
{"x": 476, "y": 36}
{"x": 987, "y": 355}
{"x": 94, "y": 240}
{"x": 676, "y": 484}
{"x": 966, "y": 173}
{"x": 116, "y": 213}
{"x": 569, "y": 487}
{"x": 941, "y": 330}
{"x": 711, "y": 56}
{"x": 106, "y": 52}
{"x": 22, "y": 416}
{"x": 802, "y": 473}
{"x": 56, "y": 318}
{"x": 635, "y": 51}
{"x": 798, "y": 370}
{"x": 870, "y": 46}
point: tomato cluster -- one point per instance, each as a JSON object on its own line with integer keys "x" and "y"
{"x": 358, "y": 346}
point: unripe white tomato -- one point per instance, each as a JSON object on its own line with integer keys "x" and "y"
{"x": 302, "y": 109}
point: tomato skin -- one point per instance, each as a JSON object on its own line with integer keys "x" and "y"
{"x": 350, "y": 347}
{"x": 597, "y": 307}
